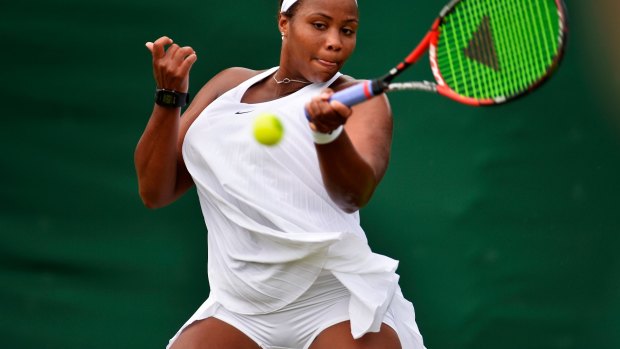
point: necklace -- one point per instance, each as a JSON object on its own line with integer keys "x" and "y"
{"x": 288, "y": 81}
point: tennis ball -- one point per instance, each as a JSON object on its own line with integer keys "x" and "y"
{"x": 268, "y": 129}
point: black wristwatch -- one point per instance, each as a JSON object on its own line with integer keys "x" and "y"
{"x": 171, "y": 98}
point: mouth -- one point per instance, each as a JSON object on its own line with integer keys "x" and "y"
{"x": 327, "y": 63}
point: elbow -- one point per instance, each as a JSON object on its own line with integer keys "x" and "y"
{"x": 352, "y": 202}
{"x": 351, "y": 206}
{"x": 351, "y": 190}
{"x": 151, "y": 205}
{"x": 349, "y": 209}
{"x": 152, "y": 199}
{"x": 155, "y": 193}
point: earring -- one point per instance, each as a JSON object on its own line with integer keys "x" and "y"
{"x": 282, "y": 33}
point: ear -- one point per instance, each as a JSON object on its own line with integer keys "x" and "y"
{"x": 283, "y": 23}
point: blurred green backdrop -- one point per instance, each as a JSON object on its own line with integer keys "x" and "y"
{"x": 505, "y": 220}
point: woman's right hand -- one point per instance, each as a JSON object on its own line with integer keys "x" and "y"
{"x": 171, "y": 65}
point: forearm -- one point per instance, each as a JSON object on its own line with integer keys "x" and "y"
{"x": 156, "y": 155}
{"x": 349, "y": 179}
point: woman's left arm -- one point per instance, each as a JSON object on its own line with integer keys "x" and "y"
{"x": 353, "y": 164}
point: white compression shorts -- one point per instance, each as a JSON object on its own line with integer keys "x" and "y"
{"x": 296, "y": 326}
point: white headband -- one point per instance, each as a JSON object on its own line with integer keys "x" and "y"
{"x": 286, "y": 4}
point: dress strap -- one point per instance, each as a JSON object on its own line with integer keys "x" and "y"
{"x": 333, "y": 79}
{"x": 251, "y": 81}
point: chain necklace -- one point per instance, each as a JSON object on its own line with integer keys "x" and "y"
{"x": 288, "y": 81}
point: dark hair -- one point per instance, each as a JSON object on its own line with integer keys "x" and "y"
{"x": 291, "y": 10}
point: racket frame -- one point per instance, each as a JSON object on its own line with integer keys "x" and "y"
{"x": 370, "y": 88}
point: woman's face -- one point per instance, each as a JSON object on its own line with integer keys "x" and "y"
{"x": 319, "y": 38}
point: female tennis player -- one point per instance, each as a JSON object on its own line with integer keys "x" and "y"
{"x": 288, "y": 263}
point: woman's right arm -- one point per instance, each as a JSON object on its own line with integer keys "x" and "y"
{"x": 162, "y": 174}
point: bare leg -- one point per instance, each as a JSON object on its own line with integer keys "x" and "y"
{"x": 339, "y": 336}
{"x": 212, "y": 333}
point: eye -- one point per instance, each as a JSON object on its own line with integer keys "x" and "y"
{"x": 348, "y": 31}
{"x": 319, "y": 25}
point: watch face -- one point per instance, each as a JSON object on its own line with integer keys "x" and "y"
{"x": 168, "y": 98}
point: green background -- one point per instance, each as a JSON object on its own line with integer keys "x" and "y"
{"x": 505, "y": 219}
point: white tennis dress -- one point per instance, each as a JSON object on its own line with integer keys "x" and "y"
{"x": 272, "y": 227}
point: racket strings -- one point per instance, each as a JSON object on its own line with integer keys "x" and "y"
{"x": 498, "y": 48}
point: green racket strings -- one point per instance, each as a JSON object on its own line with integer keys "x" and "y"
{"x": 498, "y": 48}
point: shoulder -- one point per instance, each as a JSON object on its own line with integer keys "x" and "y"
{"x": 229, "y": 78}
{"x": 219, "y": 84}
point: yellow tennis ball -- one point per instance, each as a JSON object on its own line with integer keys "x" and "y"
{"x": 268, "y": 129}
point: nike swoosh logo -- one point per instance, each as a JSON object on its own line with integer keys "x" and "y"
{"x": 244, "y": 112}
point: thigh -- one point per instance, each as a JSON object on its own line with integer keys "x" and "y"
{"x": 339, "y": 336}
{"x": 212, "y": 333}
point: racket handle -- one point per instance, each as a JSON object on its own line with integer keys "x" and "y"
{"x": 359, "y": 93}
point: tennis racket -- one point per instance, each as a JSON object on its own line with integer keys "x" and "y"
{"x": 482, "y": 52}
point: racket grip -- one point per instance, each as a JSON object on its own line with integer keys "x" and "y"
{"x": 359, "y": 93}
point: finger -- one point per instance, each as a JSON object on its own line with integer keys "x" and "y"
{"x": 172, "y": 50}
{"x": 321, "y": 108}
{"x": 325, "y": 109}
{"x": 188, "y": 63}
{"x": 164, "y": 40}
{"x": 310, "y": 112}
{"x": 159, "y": 46}
{"x": 337, "y": 107}
{"x": 182, "y": 53}
{"x": 334, "y": 114}
{"x": 149, "y": 46}
{"x": 323, "y": 117}
{"x": 342, "y": 109}
{"x": 326, "y": 94}
{"x": 313, "y": 108}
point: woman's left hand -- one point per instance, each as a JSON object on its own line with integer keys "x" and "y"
{"x": 325, "y": 115}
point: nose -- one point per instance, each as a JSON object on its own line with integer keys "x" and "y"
{"x": 333, "y": 41}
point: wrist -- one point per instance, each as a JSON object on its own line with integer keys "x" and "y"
{"x": 171, "y": 98}
{"x": 326, "y": 138}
